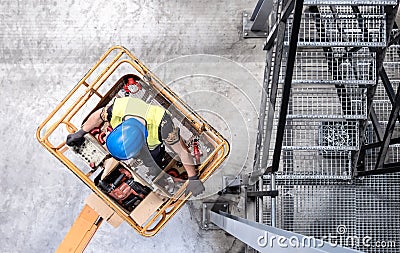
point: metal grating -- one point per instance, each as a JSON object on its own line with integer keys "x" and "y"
{"x": 347, "y": 9}
{"x": 328, "y": 102}
{"x": 341, "y": 28}
{"x": 392, "y": 70}
{"x": 392, "y": 63}
{"x": 392, "y": 54}
{"x": 378, "y": 216}
{"x": 321, "y": 135}
{"x": 380, "y": 93}
{"x": 315, "y": 164}
{"x": 382, "y": 108}
{"x": 344, "y": 210}
{"x": 318, "y": 67}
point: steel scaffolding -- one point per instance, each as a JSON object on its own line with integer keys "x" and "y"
{"x": 329, "y": 116}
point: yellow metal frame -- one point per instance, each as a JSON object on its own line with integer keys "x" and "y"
{"x": 173, "y": 204}
{"x": 81, "y": 232}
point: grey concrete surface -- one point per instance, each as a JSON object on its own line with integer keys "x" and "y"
{"x": 47, "y": 46}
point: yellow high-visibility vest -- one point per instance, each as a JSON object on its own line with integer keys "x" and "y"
{"x": 152, "y": 114}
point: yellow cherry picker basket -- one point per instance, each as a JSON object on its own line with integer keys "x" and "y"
{"x": 119, "y": 73}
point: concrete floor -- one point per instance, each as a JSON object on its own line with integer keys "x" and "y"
{"x": 47, "y": 46}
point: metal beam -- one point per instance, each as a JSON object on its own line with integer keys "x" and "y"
{"x": 387, "y": 168}
{"x": 260, "y": 15}
{"x": 387, "y": 84}
{"x": 375, "y": 122}
{"x": 389, "y": 131}
{"x": 298, "y": 9}
{"x": 271, "y": 193}
{"x": 266, "y": 238}
{"x": 256, "y": 25}
{"x": 275, "y": 29}
{"x": 379, "y": 143}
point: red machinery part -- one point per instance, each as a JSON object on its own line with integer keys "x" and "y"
{"x": 173, "y": 172}
{"x": 129, "y": 86}
{"x": 124, "y": 190}
{"x": 196, "y": 151}
{"x": 95, "y": 131}
{"x": 101, "y": 137}
{"x": 100, "y": 134}
{"x": 126, "y": 172}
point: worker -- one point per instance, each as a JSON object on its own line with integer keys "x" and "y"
{"x": 140, "y": 128}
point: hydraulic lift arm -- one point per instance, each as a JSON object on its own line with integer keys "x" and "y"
{"x": 81, "y": 232}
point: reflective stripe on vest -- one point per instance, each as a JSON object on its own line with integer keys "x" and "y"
{"x": 136, "y": 107}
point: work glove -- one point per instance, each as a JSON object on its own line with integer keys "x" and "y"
{"x": 76, "y": 139}
{"x": 195, "y": 186}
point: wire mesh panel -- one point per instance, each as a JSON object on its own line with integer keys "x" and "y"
{"x": 338, "y": 67}
{"x": 315, "y": 164}
{"x": 392, "y": 54}
{"x": 378, "y": 216}
{"x": 314, "y": 209}
{"x": 392, "y": 70}
{"x": 392, "y": 63}
{"x": 341, "y": 29}
{"x": 348, "y": 9}
{"x": 328, "y": 101}
{"x": 361, "y": 214}
{"x": 321, "y": 135}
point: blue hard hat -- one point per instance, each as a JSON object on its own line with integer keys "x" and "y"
{"x": 127, "y": 139}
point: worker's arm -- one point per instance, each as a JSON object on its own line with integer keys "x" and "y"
{"x": 195, "y": 186}
{"x": 94, "y": 120}
{"x": 186, "y": 158}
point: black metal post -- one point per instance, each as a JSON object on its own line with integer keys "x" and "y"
{"x": 287, "y": 84}
{"x": 274, "y": 89}
{"x": 375, "y": 122}
{"x": 260, "y": 15}
{"x": 389, "y": 131}
{"x": 387, "y": 84}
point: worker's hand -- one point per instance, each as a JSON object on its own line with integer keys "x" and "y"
{"x": 76, "y": 139}
{"x": 195, "y": 186}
